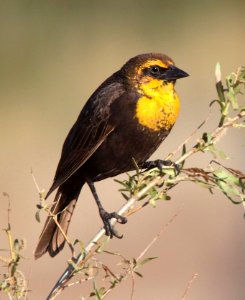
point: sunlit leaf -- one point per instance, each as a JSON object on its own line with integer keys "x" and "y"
{"x": 146, "y": 260}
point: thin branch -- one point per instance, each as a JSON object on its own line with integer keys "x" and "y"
{"x": 133, "y": 285}
{"x": 8, "y": 232}
{"x": 188, "y": 288}
{"x": 158, "y": 235}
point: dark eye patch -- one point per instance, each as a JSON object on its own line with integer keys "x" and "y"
{"x": 155, "y": 71}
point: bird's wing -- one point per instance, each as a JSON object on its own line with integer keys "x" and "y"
{"x": 88, "y": 133}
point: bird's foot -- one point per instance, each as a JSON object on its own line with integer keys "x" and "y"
{"x": 159, "y": 163}
{"x": 106, "y": 217}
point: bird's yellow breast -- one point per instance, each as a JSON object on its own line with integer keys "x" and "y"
{"x": 158, "y": 107}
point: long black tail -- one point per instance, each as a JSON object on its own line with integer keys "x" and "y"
{"x": 52, "y": 239}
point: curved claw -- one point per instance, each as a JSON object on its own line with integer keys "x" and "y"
{"x": 109, "y": 230}
{"x": 120, "y": 219}
{"x": 115, "y": 233}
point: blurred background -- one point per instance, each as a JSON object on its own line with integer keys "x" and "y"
{"x": 53, "y": 55}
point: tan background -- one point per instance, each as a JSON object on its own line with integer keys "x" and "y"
{"x": 53, "y": 55}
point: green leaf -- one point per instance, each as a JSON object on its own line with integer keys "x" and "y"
{"x": 230, "y": 185}
{"x": 216, "y": 152}
{"x": 153, "y": 202}
{"x": 169, "y": 171}
{"x": 232, "y": 97}
{"x": 146, "y": 260}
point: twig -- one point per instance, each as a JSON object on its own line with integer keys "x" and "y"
{"x": 8, "y": 231}
{"x": 133, "y": 285}
{"x": 188, "y": 288}
{"x": 158, "y": 235}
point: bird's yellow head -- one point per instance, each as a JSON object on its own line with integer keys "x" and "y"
{"x": 153, "y": 76}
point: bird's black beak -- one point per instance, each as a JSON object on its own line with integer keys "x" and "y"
{"x": 174, "y": 73}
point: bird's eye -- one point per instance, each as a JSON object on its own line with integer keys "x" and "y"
{"x": 155, "y": 70}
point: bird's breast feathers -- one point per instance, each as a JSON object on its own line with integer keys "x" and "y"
{"x": 158, "y": 106}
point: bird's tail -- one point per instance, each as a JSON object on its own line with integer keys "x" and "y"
{"x": 52, "y": 240}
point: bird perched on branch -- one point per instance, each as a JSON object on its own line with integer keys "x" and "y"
{"x": 126, "y": 118}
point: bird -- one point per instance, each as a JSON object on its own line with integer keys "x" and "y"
{"x": 125, "y": 119}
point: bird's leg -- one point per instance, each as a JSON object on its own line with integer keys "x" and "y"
{"x": 105, "y": 216}
{"x": 158, "y": 163}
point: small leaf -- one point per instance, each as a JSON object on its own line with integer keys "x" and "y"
{"x": 37, "y": 216}
{"x": 166, "y": 197}
{"x": 111, "y": 253}
{"x": 153, "y": 202}
{"x": 232, "y": 97}
{"x": 230, "y": 185}
{"x": 134, "y": 262}
{"x": 207, "y": 137}
{"x": 169, "y": 171}
{"x": 126, "y": 197}
{"x": 216, "y": 152}
{"x": 139, "y": 274}
{"x": 146, "y": 260}
{"x": 184, "y": 149}
{"x": 221, "y": 174}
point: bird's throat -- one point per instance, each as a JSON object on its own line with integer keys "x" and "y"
{"x": 158, "y": 107}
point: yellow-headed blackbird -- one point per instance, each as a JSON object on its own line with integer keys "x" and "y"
{"x": 127, "y": 117}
